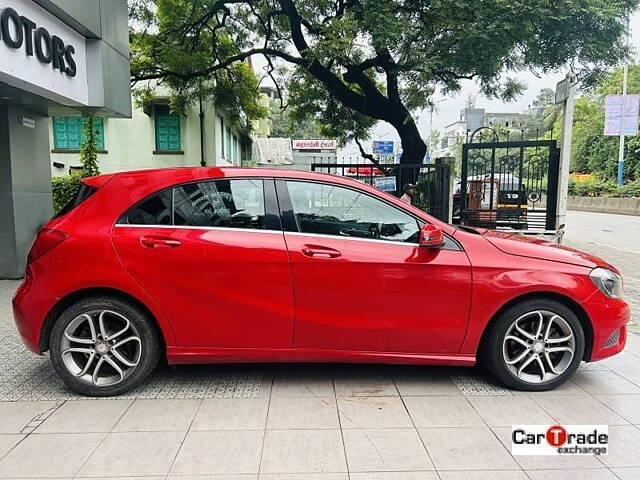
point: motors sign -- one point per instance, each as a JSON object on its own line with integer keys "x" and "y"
{"x": 18, "y": 31}
{"x": 320, "y": 144}
{"x": 41, "y": 54}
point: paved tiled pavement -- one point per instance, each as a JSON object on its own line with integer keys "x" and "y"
{"x": 329, "y": 422}
{"x": 321, "y": 422}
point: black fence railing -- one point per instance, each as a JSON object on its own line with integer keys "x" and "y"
{"x": 508, "y": 185}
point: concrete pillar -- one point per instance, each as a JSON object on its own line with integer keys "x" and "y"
{"x": 25, "y": 185}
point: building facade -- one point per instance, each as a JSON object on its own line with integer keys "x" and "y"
{"x": 153, "y": 137}
{"x": 472, "y": 119}
{"x": 58, "y": 58}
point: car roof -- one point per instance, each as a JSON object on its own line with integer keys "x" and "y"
{"x": 160, "y": 177}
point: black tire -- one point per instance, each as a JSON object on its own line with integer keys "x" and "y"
{"x": 149, "y": 349}
{"x": 492, "y": 349}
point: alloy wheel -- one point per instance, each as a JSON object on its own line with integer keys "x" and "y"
{"x": 538, "y": 346}
{"x": 101, "y": 347}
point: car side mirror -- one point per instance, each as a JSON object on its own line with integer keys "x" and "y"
{"x": 431, "y": 236}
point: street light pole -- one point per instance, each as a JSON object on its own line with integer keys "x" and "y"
{"x": 625, "y": 74}
{"x": 567, "y": 98}
{"x": 620, "y": 177}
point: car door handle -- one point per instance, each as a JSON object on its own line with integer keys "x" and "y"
{"x": 157, "y": 241}
{"x": 317, "y": 251}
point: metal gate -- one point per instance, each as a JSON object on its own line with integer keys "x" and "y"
{"x": 432, "y": 181}
{"x": 510, "y": 185}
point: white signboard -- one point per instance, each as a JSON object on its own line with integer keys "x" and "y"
{"x": 41, "y": 54}
{"x": 26, "y": 122}
{"x": 386, "y": 184}
{"x": 321, "y": 144}
{"x": 621, "y": 116}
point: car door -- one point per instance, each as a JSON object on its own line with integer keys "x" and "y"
{"x": 361, "y": 280}
{"x": 212, "y": 254}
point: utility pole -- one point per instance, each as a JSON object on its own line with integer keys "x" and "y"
{"x": 565, "y": 94}
{"x": 432, "y": 107}
{"x": 430, "y": 132}
{"x": 625, "y": 74}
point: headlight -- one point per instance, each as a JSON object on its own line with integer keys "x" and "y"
{"x": 608, "y": 282}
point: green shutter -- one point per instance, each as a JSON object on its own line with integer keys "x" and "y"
{"x": 168, "y": 133}
{"x": 68, "y": 133}
{"x": 74, "y": 133}
{"x": 60, "y": 141}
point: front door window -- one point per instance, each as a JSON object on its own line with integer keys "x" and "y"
{"x": 331, "y": 210}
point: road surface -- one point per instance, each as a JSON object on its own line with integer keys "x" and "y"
{"x": 615, "y": 238}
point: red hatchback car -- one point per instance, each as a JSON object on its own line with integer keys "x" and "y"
{"x": 253, "y": 265}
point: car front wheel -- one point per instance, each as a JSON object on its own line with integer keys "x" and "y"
{"x": 103, "y": 346}
{"x": 535, "y": 345}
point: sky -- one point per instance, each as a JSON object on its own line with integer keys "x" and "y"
{"x": 448, "y": 108}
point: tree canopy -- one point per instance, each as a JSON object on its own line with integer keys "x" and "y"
{"x": 284, "y": 125}
{"x": 355, "y": 62}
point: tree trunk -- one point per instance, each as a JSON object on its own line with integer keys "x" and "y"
{"x": 413, "y": 151}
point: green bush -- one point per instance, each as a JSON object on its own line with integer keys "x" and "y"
{"x": 604, "y": 188}
{"x": 631, "y": 189}
{"x": 64, "y": 188}
{"x": 596, "y": 188}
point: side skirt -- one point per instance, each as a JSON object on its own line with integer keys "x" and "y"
{"x": 192, "y": 355}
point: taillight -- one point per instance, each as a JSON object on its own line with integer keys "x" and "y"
{"x": 45, "y": 241}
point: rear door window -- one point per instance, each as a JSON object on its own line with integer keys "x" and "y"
{"x": 221, "y": 203}
{"x": 154, "y": 210}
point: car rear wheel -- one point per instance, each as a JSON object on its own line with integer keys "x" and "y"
{"x": 103, "y": 346}
{"x": 535, "y": 345}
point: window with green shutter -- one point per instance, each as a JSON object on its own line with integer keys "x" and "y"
{"x": 167, "y": 130}
{"x": 68, "y": 133}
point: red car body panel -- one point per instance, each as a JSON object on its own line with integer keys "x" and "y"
{"x": 379, "y": 299}
{"x": 241, "y": 295}
{"x": 238, "y": 291}
{"x": 533, "y": 247}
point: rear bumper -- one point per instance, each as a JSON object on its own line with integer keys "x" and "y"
{"x": 609, "y": 317}
{"x": 30, "y": 308}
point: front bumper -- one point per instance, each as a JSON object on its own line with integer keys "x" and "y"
{"x": 609, "y": 317}
{"x": 30, "y": 308}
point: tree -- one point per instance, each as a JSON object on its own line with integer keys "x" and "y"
{"x": 543, "y": 114}
{"x": 283, "y": 125}
{"x": 588, "y": 122}
{"x": 234, "y": 89}
{"x": 89, "y": 149}
{"x": 370, "y": 60}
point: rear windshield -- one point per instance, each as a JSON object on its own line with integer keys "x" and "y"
{"x": 83, "y": 192}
